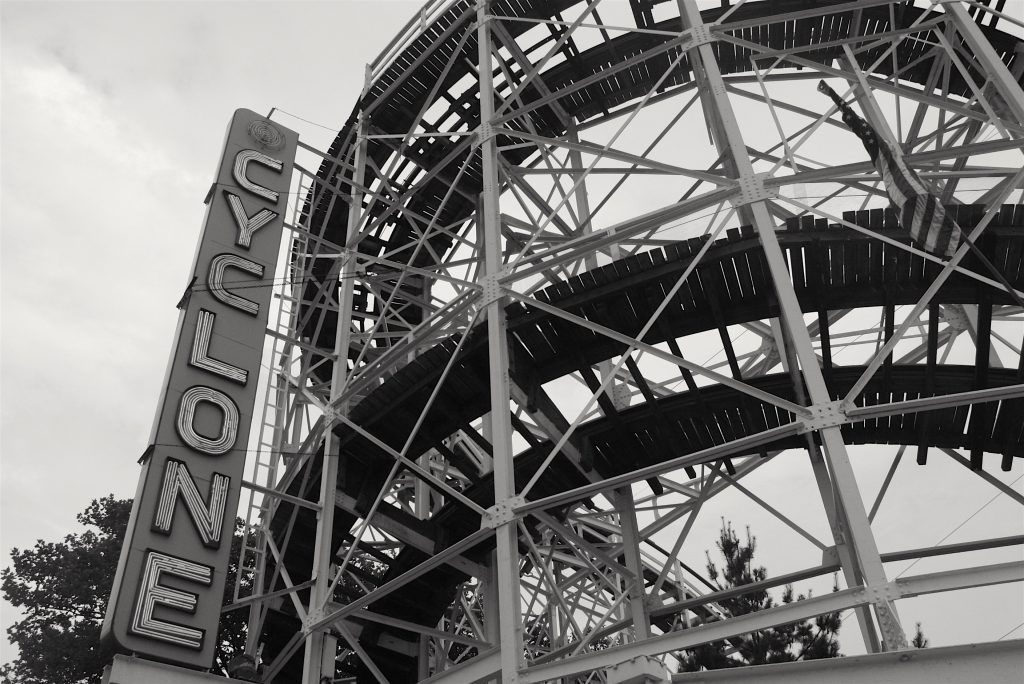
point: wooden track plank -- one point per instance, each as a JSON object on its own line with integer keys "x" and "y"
{"x": 837, "y": 263}
{"x": 533, "y": 342}
{"x": 924, "y": 422}
{"x": 981, "y": 413}
{"x": 797, "y": 267}
{"x": 713, "y": 288}
{"x": 959, "y": 421}
{"x": 825, "y": 337}
{"x": 763, "y": 288}
{"x": 1013, "y": 265}
{"x": 732, "y": 291}
{"x": 744, "y": 273}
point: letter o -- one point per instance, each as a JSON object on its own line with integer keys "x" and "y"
{"x": 187, "y": 413}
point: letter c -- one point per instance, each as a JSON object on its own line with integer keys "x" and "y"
{"x": 240, "y": 172}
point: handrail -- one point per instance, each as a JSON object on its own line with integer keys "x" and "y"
{"x": 423, "y": 18}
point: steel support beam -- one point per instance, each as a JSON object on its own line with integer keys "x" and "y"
{"x": 1007, "y": 86}
{"x": 510, "y": 630}
{"x": 321, "y": 646}
{"x": 997, "y": 662}
{"x": 853, "y": 517}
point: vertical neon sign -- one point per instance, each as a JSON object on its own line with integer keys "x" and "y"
{"x": 166, "y": 599}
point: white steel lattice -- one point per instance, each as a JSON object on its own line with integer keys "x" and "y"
{"x": 530, "y": 343}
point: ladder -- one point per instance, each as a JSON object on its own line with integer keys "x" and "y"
{"x": 280, "y": 407}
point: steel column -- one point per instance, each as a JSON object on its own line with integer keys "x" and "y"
{"x": 851, "y": 507}
{"x": 489, "y": 226}
{"x": 626, "y": 507}
{"x": 321, "y": 646}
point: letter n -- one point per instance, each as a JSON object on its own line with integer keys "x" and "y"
{"x": 208, "y": 517}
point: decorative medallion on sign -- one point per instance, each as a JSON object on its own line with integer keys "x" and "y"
{"x": 266, "y": 134}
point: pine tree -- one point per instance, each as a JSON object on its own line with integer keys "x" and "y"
{"x": 805, "y": 640}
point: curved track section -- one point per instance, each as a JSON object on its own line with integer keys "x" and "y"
{"x": 431, "y": 85}
{"x": 647, "y": 263}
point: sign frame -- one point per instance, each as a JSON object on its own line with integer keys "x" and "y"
{"x": 168, "y": 590}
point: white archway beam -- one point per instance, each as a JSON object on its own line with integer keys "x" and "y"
{"x": 992, "y": 662}
{"x": 576, "y": 248}
{"x": 780, "y": 580}
{"x": 876, "y": 83}
{"x": 743, "y": 445}
{"x": 619, "y": 155}
{"x": 916, "y": 159}
{"x": 784, "y": 614}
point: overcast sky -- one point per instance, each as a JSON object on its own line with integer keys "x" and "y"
{"x": 113, "y": 116}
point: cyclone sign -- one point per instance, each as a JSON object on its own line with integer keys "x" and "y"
{"x": 167, "y": 594}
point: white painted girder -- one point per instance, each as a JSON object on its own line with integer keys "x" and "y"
{"x": 1000, "y": 662}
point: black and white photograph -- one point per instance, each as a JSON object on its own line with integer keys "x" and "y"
{"x": 511, "y": 341}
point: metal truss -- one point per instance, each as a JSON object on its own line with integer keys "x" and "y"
{"x": 579, "y": 275}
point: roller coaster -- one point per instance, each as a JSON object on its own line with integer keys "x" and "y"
{"x": 572, "y": 272}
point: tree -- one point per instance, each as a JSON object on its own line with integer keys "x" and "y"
{"x": 62, "y": 588}
{"x": 805, "y": 640}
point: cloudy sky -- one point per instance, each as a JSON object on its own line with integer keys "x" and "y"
{"x": 113, "y": 116}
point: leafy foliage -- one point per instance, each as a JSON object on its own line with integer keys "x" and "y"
{"x": 62, "y": 589}
{"x": 805, "y": 640}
